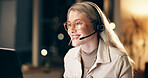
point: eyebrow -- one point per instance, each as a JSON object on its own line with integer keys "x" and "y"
{"x": 76, "y": 20}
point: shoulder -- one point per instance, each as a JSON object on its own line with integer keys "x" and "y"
{"x": 120, "y": 57}
{"x": 71, "y": 53}
{"x": 116, "y": 51}
{"x": 117, "y": 54}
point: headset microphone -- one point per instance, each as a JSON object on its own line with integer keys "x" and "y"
{"x": 87, "y": 36}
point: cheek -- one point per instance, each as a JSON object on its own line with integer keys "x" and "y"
{"x": 87, "y": 29}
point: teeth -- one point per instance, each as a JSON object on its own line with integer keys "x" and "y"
{"x": 74, "y": 36}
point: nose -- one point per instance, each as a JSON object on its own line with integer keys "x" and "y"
{"x": 72, "y": 29}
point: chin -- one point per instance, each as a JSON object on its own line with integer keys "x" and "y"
{"x": 75, "y": 43}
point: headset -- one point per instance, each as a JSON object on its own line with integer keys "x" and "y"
{"x": 98, "y": 24}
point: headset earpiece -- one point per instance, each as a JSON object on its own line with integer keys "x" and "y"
{"x": 98, "y": 27}
{"x": 101, "y": 28}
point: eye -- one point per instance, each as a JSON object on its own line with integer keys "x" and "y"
{"x": 78, "y": 23}
{"x": 68, "y": 25}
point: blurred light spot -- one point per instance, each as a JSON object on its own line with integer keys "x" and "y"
{"x": 112, "y": 25}
{"x": 55, "y": 19}
{"x": 60, "y": 36}
{"x": 44, "y": 52}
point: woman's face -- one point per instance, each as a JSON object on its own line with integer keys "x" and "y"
{"x": 80, "y": 26}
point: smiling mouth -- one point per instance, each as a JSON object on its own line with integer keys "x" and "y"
{"x": 75, "y": 37}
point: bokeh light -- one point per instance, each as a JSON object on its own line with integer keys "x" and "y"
{"x": 60, "y": 36}
{"x": 44, "y": 52}
{"x": 112, "y": 25}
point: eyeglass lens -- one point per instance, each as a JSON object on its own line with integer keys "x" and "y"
{"x": 76, "y": 24}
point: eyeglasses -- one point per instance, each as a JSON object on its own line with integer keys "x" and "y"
{"x": 76, "y": 24}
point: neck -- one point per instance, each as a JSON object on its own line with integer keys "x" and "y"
{"x": 90, "y": 45}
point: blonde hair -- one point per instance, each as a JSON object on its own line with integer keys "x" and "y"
{"x": 108, "y": 35}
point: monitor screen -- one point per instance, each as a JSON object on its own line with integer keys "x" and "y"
{"x": 9, "y": 64}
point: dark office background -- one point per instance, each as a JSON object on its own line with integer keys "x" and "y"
{"x": 52, "y": 15}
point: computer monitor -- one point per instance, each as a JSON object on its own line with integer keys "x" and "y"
{"x": 9, "y": 64}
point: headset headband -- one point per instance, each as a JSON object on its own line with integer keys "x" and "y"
{"x": 99, "y": 26}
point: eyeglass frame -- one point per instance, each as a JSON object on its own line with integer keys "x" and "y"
{"x": 74, "y": 23}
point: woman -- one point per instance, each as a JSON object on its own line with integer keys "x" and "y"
{"x": 98, "y": 52}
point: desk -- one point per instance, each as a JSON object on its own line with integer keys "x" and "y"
{"x": 43, "y": 73}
